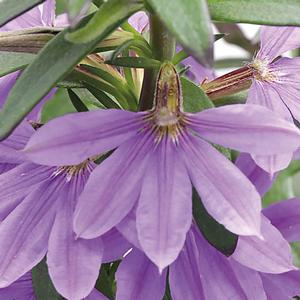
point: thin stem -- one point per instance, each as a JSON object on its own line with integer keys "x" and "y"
{"x": 163, "y": 49}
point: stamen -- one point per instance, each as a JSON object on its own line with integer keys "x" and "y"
{"x": 262, "y": 71}
{"x": 72, "y": 171}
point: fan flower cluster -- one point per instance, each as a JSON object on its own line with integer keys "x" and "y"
{"x": 60, "y": 201}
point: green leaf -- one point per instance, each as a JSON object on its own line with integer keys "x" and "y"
{"x": 285, "y": 186}
{"x": 215, "y": 233}
{"x": 106, "y": 280}
{"x": 102, "y": 97}
{"x": 54, "y": 62}
{"x": 270, "y": 12}
{"x": 135, "y": 62}
{"x": 58, "y": 106}
{"x": 189, "y": 22}
{"x": 42, "y": 284}
{"x": 12, "y": 61}
{"x": 110, "y": 13}
{"x": 76, "y": 101}
{"x": 194, "y": 99}
{"x": 10, "y": 9}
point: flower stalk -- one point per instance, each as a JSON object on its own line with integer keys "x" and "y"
{"x": 163, "y": 49}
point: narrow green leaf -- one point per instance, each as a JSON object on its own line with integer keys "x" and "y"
{"x": 42, "y": 284}
{"x": 105, "y": 282}
{"x": 102, "y": 97}
{"x": 10, "y": 9}
{"x": 194, "y": 98}
{"x": 135, "y": 62}
{"x": 215, "y": 233}
{"x": 190, "y": 23}
{"x": 76, "y": 101}
{"x": 130, "y": 99}
{"x": 112, "y": 11}
{"x": 270, "y": 12}
{"x": 12, "y": 61}
{"x": 50, "y": 66}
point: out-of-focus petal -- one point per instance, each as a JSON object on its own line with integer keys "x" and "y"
{"x": 276, "y": 40}
{"x": 6, "y": 84}
{"x": 48, "y": 12}
{"x": 285, "y": 216}
{"x": 138, "y": 278}
{"x": 112, "y": 189}
{"x": 260, "y": 178}
{"x": 78, "y": 136}
{"x": 272, "y": 254}
{"x": 222, "y": 187}
{"x": 247, "y": 128}
{"x": 164, "y": 212}
{"x": 139, "y": 21}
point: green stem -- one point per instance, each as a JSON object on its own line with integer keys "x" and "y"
{"x": 163, "y": 49}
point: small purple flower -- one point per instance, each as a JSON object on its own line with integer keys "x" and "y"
{"x": 276, "y": 83}
{"x": 160, "y": 154}
{"x": 36, "y": 212}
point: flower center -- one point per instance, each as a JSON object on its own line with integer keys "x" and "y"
{"x": 262, "y": 71}
{"x": 166, "y": 116}
{"x": 72, "y": 171}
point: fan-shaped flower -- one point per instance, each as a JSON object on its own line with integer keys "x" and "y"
{"x": 36, "y": 212}
{"x": 160, "y": 154}
{"x": 275, "y": 83}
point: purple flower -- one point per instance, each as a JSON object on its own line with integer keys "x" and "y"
{"x": 160, "y": 154}
{"x": 276, "y": 83}
{"x": 40, "y": 16}
{"x": 36, "y": 210}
